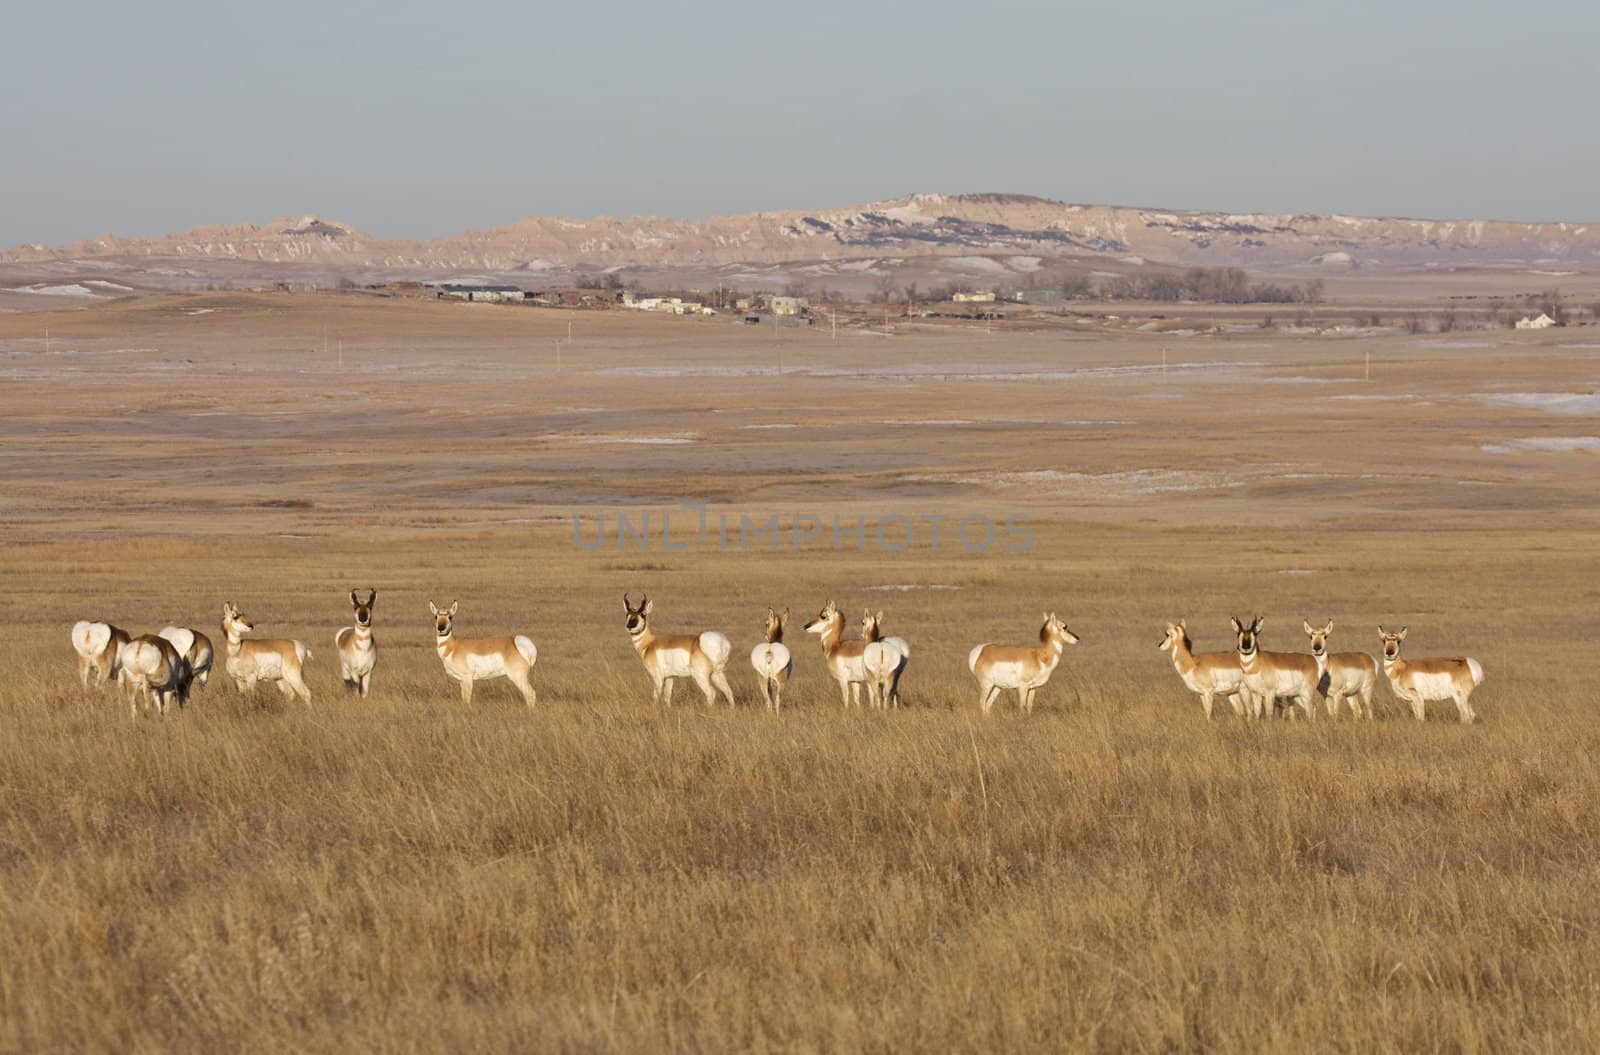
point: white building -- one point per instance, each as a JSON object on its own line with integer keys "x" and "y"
{"x": 983, "y": 296}
{"x": 1537, "y": 322}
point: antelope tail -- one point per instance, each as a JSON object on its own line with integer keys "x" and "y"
{"x": 1477, "y": 670}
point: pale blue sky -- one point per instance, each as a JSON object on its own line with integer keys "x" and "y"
{"x": 420, "y": 120}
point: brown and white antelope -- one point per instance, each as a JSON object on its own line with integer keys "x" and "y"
{"x": 1417, "y": 681}
{"x": 843, "y": 658}
{"x": 151, "y": 668}
{"x": 1211, "y": 674}
{"x": 470, "y": 659}
{"x": 193, "y": 646}
{"x": 1270, "y": 676}
{"x": 883, "y": 661}
{"x": 702, "y": 657}
{"x": 358, "y": 650}
{"x": 98, "y": 646}
{"x": 280, "y": 661}
{"x": 1348, "y": 676}
{"x": 772, "y": 660}
{"x": 1021, "y": 667}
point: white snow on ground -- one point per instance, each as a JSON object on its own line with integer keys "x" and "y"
{"x": 928, "y": 372}
{"x": 773, "y": 425}
{"x": 926, "y": 421}
{"x": 1554, "y": 402}
{"x": 101, "y": 283}
{"x": 40, "y": 289}
{"x": 1025, "y": 264}
{"x": 1552, "y": 444}
{"x": 1310, "y": 380}
{"x": 653, "y": 441}
{"x": 976, "y": 263}
{"x": 200, "y": 311}
{"x": 903, "y": 587}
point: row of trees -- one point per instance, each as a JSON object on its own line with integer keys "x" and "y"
{"x": 1210, "y": 285}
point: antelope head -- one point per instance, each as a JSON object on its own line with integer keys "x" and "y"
{"x": 826, "y": 620}
{"x": 1176, "y": 633}
{"x": 1249, "y": 636}
{"x": 871, "y": 628}
{"x": 1055, "y": 630}
{"x": 363, "y": 608}
{"x": 1319, "y": 638}
{"x": 774, "y": 623}
{"x": 443, "y": 617}
{"x": 233, "y": 623}
{"x": 1391, "y": 643}
{"x": 638, "y": 618}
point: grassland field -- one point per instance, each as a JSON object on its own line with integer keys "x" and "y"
{"x": 1111, "y": 873}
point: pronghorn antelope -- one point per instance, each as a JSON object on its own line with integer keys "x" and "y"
{"x": 151, "y": 667}
{"x": 1347, "y": 675}
{"x": 247, "y": 662}
{"x": 883, "y": 661}
{"x": 193, "y": 646}
{"x": 843, "y": 657}
{"x": 772, "y": 660}
{"x": 1419, "y": 680}
{"x": 1211, "y": 674}
{"x": 98, "y": 645}
{"x": 358, "y": 651}
{"x": 701, "y": 657}
{"x": 1271, "y": 675}
{"x": 1020, "y": 667}
{"x": 470, "y": 659}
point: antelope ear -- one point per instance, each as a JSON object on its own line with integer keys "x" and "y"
{"x": 1402, "y": 634}
{"x": 648, "y": 607}
{"x": 1238, "y": 627}
{"x": 1307, "y": 624}
{"x": 879, "y": 617}
{"x": 1329, "y": 628}
{"x": 433, "y": 608}
{"x": 1183, "y": 624}
{"x": 453, "y": 606}
{"x": 1260, "y": 624}
{"x": 784, "y": 618}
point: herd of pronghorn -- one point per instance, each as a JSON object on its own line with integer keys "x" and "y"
{"x": 161, "y": 669}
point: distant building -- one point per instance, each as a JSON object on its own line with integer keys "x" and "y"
{"x": 788, "y": 305}
{"x": 480, "y": 293}
{"x": 983, "y": 296}
{"x": 1537, "y": 322}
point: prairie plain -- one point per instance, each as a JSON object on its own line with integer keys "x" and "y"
{"x": 1112, "y": 873}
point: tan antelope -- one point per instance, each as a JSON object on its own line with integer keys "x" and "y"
{"x": 358, "y": 650}
{"x": 1345, "y": 675}
{"x": 883, "y": 661}
{"x": 1417, "y": 681}
{"x": 703, "y": 657}
{"x": 193, "y": 646}
{"x": 470, "y": 659}
{"x": 772, "y": 660}
{"x": 1211, "y": 674}
{"x": 1021, "y": 667}
{"x": 98, "y": 646}
{"x": 843, "y": 658}
{"x": 151, "y": 668}
{"x": 280, "y": 661}
{"x": 1269, "y": 676}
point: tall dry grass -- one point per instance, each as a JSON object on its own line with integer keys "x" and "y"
{"x": 1112, "y": 874}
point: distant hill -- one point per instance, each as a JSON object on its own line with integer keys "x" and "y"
{"x": 982, "y": 226}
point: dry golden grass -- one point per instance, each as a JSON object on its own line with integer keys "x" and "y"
{"x": 1113, "y": 873}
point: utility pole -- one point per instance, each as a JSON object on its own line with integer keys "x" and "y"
{"x": 1366, "y": 371}
{"x": 341, "y": 353}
